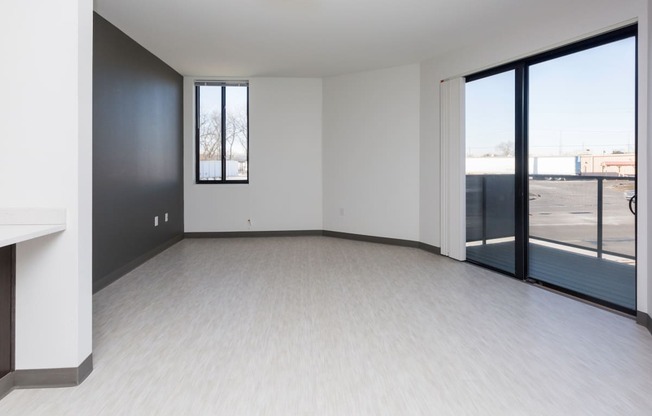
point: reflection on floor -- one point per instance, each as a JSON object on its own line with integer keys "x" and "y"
{"x": 599, "y": 278}
{"x": 498, "y": 255}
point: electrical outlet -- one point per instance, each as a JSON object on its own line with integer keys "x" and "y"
{"x": 156, "y": 221}
{"x": 166, "y": 217}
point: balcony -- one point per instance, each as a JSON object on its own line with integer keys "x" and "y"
{"x": 581, "y": 232}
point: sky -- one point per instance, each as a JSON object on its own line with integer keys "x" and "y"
{"x": 211, "y": 98}
{"x": 580, "y": 103}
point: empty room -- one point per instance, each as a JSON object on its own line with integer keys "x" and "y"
{"x": 309, "y": 207}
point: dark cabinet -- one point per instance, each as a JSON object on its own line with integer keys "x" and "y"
{"x": 7, "y": 290}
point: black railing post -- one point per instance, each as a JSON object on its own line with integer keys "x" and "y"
{"x": 484, "y": 209}
{"x": 600, "y": 206}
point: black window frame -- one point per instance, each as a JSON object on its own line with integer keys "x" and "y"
{"x": 223, "y": 85}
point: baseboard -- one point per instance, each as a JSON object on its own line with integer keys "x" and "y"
{"x": 372, "y": 239}
{"x": 53, "y": 377}
{"x": 429, "y": 248}
{"x": 240, "y": 234}
{"x": 644, "y": 319}
{"x": 325, "y": 233}
{"x": 6, "y": 384}
{"x": 46, "y": 378}
{"x": 104, "y": 281}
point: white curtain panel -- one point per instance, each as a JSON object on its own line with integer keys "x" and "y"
{"x": 453, "y": 181}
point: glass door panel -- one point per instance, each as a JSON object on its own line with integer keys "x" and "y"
{"x": 490, "y": 171}
{"x": 581, "y": 154}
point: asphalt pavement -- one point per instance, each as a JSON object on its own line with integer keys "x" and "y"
{"x": 567, "y": 211}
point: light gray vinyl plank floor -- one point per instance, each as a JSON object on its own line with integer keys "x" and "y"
{"x": 324, "y": 326}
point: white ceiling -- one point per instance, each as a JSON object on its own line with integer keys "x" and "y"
{"x": 308, "y": 38}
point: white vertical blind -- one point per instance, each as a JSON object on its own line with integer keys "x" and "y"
{"x": 453, "y": 180}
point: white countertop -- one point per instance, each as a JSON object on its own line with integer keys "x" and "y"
{"x": 22, "y": 224}
{"x": 12, "y": 234}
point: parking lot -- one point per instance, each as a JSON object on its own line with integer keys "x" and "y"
{"x": 567, "y": 211}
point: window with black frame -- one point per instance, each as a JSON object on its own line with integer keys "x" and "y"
{"x": 221, "y": 132}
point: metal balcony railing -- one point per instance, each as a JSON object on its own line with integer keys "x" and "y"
{"x": 490, "y": 209}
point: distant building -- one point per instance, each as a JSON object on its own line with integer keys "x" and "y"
{"x": 597, "y": 165}
{"x": 610, "y": 165}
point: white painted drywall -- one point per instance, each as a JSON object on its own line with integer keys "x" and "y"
{"x": 371, "y": 153}
{"x": 552, "y": 27}
{"x": 285, "y": 178}
{"x": 45, "y": 117}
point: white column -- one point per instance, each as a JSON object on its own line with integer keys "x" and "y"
{"x": 45, "y": 161}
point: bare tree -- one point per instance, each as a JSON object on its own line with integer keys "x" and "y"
{"x": 506, "y": 148}
{"x": 210, "y": 135}
{"x": 236, "y": 132}
{"x": 243, "y": 138}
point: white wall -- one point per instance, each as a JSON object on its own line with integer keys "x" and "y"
{"x": 554, "y": 27}
{"x": 45, "y": 116}
{"x": 285, "y": 178}
{"x": 371, "y": 153}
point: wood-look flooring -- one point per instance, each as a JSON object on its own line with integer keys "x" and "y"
{"x": 324, "y": 326}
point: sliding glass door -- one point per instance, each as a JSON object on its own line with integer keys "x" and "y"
{"x": 551, "y": 169}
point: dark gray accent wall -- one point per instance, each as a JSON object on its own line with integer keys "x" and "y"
{"x": 137, "y": 153}
{"x": 7, "y": 296}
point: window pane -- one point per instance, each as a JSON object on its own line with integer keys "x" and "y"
{"x": 490, "y": 171}
{"x": 210, "y": 133}
{"x": 236, "y": 133}
{"x": 582, "y": 120}
{"x": 584, "y": 104}
{"x": 563, "y": 210}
